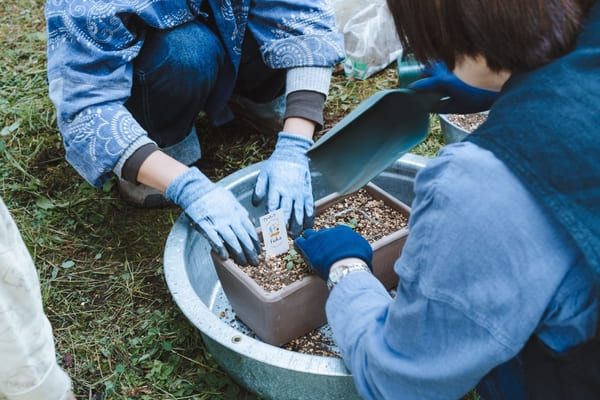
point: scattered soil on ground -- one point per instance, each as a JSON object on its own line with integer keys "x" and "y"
{"x": 313, "y": 343}
{"x": 468, "y": 122}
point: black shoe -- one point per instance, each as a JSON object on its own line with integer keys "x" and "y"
{"x": 265, "y": 118}
{"x": 143, "y": 196}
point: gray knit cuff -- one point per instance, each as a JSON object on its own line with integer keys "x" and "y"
{"x": 130, "y": 169}
{"x": 316, "y": 79}
{"x": 133, "y": 147}
{"x": 306, "y": 104}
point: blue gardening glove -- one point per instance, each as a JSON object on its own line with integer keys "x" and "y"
{"x": 216, "y": 214}
{"x": 285, "y": 180}
{"x": 462, "y": 98}
{"x": 320, "y": 249}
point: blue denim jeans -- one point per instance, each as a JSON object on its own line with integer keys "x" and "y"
{"x": 176, "y": 71}
{"x": 505, "y": 382}
{"x": 173, "y": 75}
{"x": 539, "y": 373}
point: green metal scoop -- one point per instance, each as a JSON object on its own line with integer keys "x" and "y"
{"x": 375, "y": 134}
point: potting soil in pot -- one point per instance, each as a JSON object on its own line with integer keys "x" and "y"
{"x": 468, "y": 122}
{"x": 370, "y": 217}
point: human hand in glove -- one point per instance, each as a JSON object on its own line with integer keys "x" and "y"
{"x": 320, "y": 249}
{"x": 285, "y": 180}
{"x": 217, "y": 214}
{"x": 462, "y": 98}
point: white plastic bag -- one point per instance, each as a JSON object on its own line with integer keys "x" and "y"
{"x": 370, "y": 36}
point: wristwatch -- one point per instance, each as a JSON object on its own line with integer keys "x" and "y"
{"x": 343, "y": 270}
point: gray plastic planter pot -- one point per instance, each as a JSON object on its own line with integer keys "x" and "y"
{"x": 452, "y": 132}
{"x": 280, "y": 316}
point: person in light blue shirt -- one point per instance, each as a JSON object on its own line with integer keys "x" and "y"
{"x": 499, "y": 275}
{"x": 129, "y": 78}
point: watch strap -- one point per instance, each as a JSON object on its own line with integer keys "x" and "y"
{"x": 343, "y": 270}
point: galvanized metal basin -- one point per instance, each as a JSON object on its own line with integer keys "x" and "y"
{"x": 270, "y": 372}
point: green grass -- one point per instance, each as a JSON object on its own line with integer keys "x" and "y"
{"x": 118, "y": 332}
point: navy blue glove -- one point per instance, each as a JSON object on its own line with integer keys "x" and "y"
{"x": 320, "y": 249}
{"x": 461, "y": 97}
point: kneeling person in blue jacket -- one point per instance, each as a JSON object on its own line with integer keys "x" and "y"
{"x": 129, "y": 79}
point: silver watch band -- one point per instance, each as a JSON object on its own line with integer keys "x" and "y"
{"x": 343, "y": 270}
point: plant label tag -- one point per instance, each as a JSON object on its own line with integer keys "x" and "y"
{"x": 274, "y": 233}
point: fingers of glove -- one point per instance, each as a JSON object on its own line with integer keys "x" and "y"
{"x": 213, "y": 238}
{"x": 242, "y": 238}
{"x": 295, "y": 225}
{"x": 239, "y": 257}
{"x": 310, "y": 246}
{"x": 286, "y": 204}
{"x": 300, "y": 244}
{"x": 302, "y": 216}
{"x": 250, "y": 242}
{"x": 260, "y": 189}
{"x": 225, "y": 222}
{"x": 424, "y": 84}
{"x": 477, "y": 100}
{"x": 274, "y": 199}
{"x": 251, "y": 254}
{"x": 242, "y": 247}
{"x": 249, "y": 227}
{"x": 309, "y": 219}
{"x": 309, "y": 211}
{"x": 439, "y": 79}
{"x": 233, "y": 245}
{"x": 307, "y": 234}
{"x": 326, "y": 246}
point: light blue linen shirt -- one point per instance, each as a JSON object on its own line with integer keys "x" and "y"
{"x": 482, "y": 270}
{"x": 92, "y": 45}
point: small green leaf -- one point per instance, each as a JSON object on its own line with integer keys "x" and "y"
{"x": 289, "y": 265}
{"x": 119, "y": 368}
{"x": 37, "y": 36}
{"x": 7, "y": 130}
{"x": 108, "y": 185}
{"x": 105, "y": 352}
{"x": 68, "y": 264}
{"x": 44, "y": 203}
{"x": 167, "y": 346}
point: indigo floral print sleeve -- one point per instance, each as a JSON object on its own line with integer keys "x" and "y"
{"x": 304, "y": 35}
{"x": 92, "y": 45}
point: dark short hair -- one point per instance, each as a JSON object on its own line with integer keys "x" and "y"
{"x": 511, "y": 34}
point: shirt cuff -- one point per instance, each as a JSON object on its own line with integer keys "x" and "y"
{"x": 133, "y": 163}
{"x": 139, "y": 142}
{"x": 56, "y": 385}
{"x": 316, "y": 79}
{"x": 305, "y": 104}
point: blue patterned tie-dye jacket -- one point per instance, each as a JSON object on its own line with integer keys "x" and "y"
{"x": 92, "y": 44}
